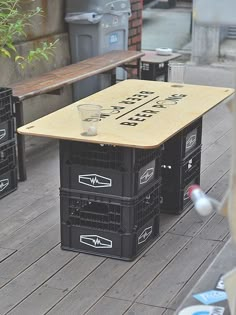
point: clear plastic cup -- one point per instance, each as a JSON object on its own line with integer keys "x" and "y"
{"x": 176, "y": 72}
{"x": 90, "y": 116}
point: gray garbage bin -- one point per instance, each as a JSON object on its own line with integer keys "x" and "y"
{"x": 96, "y": 27}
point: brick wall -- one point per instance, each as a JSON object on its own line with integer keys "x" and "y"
{"x": 135, "y": 28}
{"x": 135, "y": 25}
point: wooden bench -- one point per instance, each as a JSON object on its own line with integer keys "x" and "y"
{"x": 52, "y": 82}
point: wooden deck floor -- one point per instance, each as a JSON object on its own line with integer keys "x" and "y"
{"x": 37, "y": 277}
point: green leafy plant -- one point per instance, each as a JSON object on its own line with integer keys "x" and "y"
{"x": 13, "y": 22}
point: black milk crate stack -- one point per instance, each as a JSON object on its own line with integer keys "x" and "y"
{"x": 181, "y": 164}
{"x": 109, "y": 198}
{"x": 8, "y": 171}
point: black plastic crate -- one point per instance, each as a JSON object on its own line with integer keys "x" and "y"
{"x": 174, "y": 197}
{"x": 119, "y": 171}
{"x": 124, "y": 246}
{"x": 183, "y": 143}
{"x": 180, "y": 171}
{"x": 8, "y": 182}
{"x": 109, "y": 214}
{"x": 6, "y": 130}
{"x": 6, "y": 104}
{"x": 7, "y": 156}
{"x": 109, "y": 182}
{"x": 154, "y": 71}
{"x": 106, "y": 156}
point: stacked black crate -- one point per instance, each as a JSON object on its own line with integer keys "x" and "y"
{"x": 109, "y": 198}
{"x": 181, "y": 162}
{"x": 8, "y": 171}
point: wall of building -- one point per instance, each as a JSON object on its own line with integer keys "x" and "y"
{"x": 135, "y": 25}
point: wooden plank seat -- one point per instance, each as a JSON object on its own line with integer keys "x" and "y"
{"x": 52, "y": 82}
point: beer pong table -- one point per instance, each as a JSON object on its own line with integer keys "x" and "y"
{"x": 135, "y": 113}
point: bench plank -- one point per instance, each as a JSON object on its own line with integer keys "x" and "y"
{"x": 61, "y": 77}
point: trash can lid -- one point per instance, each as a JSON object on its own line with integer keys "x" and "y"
{"x": 99, "y": 6}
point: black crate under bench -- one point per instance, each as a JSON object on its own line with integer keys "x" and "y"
{"x": 136, "y": 115}
{"x": 154, "y": 66}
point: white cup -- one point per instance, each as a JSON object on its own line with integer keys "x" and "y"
{"x": 176, "y": 72}
{"x": 90, "y": 115}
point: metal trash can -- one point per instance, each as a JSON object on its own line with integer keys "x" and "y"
{"x": 96, "y": 27}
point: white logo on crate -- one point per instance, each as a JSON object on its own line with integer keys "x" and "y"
{"x": 3, "y": 184}
{"x": 146, "y": 175}
{"x": 2, "y": 133}
{"x": 95, "y": 181}
{"x": 191, "y": 141}
{"x": 190, "y": 164}
{"x": 145, "y": 235}
{"x": 95, "y": 241}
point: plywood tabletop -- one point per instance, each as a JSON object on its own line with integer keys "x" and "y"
{"x": 152, "y": 57}
{"x": 135, "y": 113}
